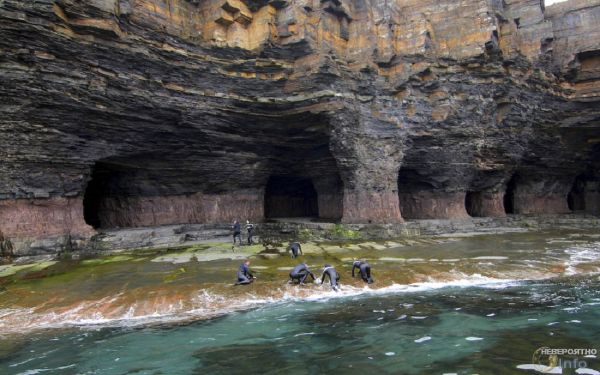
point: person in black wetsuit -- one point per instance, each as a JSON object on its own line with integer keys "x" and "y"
{"x": 334, "y": 277}
{"x": 250, "y": 229}
{"x": 365, "y": 270}
{"x": 295, "y": 248}
{"x": 237, "y": 231}
{"x": 300, "y": 273}
{"x": 244, "y": 275}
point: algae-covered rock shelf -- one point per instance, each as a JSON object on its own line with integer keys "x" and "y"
{"x": 144, "y": 113}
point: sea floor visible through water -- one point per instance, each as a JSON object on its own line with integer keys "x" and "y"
{"x": 481, "y": 304}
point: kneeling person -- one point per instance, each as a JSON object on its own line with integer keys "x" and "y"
{"x": 244, "y": 275}
{"x": 365, "y": 270}
{"x": 300, "y": 273}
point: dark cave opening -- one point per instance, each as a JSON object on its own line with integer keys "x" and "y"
{"x": 109, "y": 183}
{"x": 290, "y": 196}
{"x": 95, "y": 192}
{"x": 576, "y": 196}
{"x": 509, "y": 195}
{"x": 470, "y": 205}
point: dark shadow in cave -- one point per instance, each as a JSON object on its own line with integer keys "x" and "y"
{"x": 96, "y": 190}
{"x": 290, "y": 196}
{"x": 576, "y": 196}
{"x": 509, "y": 195}
{"x": 470, "y": 203}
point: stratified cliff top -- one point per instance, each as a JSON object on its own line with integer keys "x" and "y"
{"x": 168, "y": 111}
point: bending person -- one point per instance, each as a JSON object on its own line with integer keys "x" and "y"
{"x": 244, "y": 275}
{"x": 295, "y": 248}
{"x": 300, "y": 273}
{"x": 365, "y": 270}
{"x": 334, "y": 277}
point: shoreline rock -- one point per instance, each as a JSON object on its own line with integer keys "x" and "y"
{"x": 275, "y": 236}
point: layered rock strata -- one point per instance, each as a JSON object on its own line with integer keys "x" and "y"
{"x": 132, "y": 113}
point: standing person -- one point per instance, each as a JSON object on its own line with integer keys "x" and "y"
{"x": 237, "y": 231}
{"x": 300, "y": 273}
{"x": 244, "y": 276}
{"x": 365, "y": 270}
{"x": 295, "y": 248}
{"x": 334, "y": 277}
{"x": 250, "y": 229}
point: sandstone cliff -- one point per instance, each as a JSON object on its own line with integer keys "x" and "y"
{"x": 119, "y": 113}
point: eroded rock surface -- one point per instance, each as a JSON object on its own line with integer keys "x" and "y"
{"x": 131, "y": 113}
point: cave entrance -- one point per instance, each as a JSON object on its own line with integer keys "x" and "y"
{"x": 95, "y": 193}
{"x": 470, "y": 203}
{"x": 509, "y": 196}
{"x": 415, "y": 193}
{"x": 576, "y": 196}
{"x": 290, "y": 196}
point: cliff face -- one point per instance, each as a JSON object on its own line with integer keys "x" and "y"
{"x": 122, "y": 113}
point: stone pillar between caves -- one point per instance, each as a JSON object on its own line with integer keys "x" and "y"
{"x": 485, "y": 204}
{"x": 329, "y": 196}
{"x": 369, "y": 206}
{"x": 367, "y": 142}
{"x": 433, "y": 205}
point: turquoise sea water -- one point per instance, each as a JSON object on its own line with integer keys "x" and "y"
{"x": 462, "y": 326}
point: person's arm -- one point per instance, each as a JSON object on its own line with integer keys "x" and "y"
{"x": 311, "y": 275}
{"x": 300, "y": 248}
{"x": 323, "y": 277}
{"x": 353, "y": 268}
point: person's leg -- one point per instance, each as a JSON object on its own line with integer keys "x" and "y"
{"x": 304, "y": 276}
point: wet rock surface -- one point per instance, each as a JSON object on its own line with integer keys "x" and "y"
{"x": 137, "y": 113}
